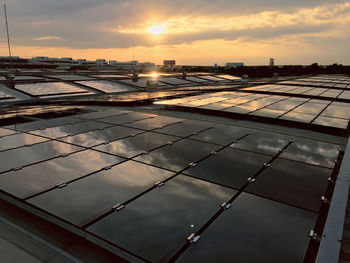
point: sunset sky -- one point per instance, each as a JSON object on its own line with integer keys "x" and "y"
{"x": 195, "y": 32}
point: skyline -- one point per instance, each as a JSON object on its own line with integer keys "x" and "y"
{"x": 195, "y": 33}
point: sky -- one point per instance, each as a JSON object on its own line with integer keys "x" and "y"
{"x": 195, "y": 32}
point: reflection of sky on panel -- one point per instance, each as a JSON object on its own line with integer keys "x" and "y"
{"x": 337, "y": 112}
{"x": 310, "y": 108}
{"x": 5, "y": 132}
{"x": 97, "y": 137}
{"x": 178, "y": 155}
{"x": 229, "y": 77}
{"x": 97, "y": 193}
{"x": 38, "y": 152}
{"x": 268, "y": 113}
{"x": 18, "y": 140}
{"x": 299, "y": 117}
{"x": 333, "y": 122}
{"x": 39, "y": 177}
{"x": 304, "y": 150}
{"x": 256, "y": 236}
{"x": 132, "y": 146}
{"x": 175, "y": 210}
{"x": 70, "y": 129}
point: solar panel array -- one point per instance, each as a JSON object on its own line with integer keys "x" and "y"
{"x": 50, "y": 88}
{"x": 317, "y": 92}
{"x": 46, "y": 85}
{"x": 152, "y": 184}
{"x": 321, "y": 112}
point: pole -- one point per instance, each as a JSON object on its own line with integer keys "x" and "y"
{"x": 8, "y": 37}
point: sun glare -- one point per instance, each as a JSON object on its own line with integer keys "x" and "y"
{"x": 156, "y": 29}
{"x": 154, "y": 75}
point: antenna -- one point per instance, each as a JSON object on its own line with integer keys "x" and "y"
{"x": 8, "y": 37}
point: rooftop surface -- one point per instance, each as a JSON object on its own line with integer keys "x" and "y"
{"x": 203, "y": 169}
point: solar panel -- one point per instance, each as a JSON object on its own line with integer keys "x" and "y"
{"x": 100, "y": 136}
{"x": 135, "y": 145}
{"x": 98, "y": 193}
{"x": 31, "y": 180}
{"x": 19, "y": 157}
{"x": 255, "y": 236}
{"x": 106, "y": 86}
{"x": 19, "y": 140}
{"x": 178, "y": 155}
{"x": 41, "y": 89}
{"x": 154, "y": 226}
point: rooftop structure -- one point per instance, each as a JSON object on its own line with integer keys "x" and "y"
{"x": 234, "y": 64}
{"x": 204, "y": 169}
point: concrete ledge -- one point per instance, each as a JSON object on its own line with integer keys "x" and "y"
{"x": 332, "y": 235}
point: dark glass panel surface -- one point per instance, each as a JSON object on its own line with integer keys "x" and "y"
{"x": 101, "y": 114}
{"x": 132, "y": 146}
{"x": 254, "y": 230}
{"x": 17, "y": 140}
{"x": 153, "y": 123}
{"x": 185, "y": 128}
{"x": 130, "y": 117}
{"x": 70, "y": 129}
{"x": 98, "y": 193}
{"x": 16, "y": 158}
{"x": 263, "y": 142}
{"x": 158, "y": 223}
{"x": 97, "y": 137}
{"x": 221, "y": 134}
{"x": 43, "y": 124}
{"x": 293, "y": 183}
{"x": 39, "y": 177}
{"x": 230, "y": 167}
{"x": 178, "y": 155}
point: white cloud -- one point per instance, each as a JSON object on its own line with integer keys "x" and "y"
{"x": 47, "y": 38}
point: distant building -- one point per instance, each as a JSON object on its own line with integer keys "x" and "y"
{"x": 101, "y": 62}
{"x": 272, "y": 62}
{"x": 234, "y": 64}
{"x": 169, "y": 63}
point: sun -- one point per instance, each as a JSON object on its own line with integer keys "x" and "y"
{"x": 156, "y": 29}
